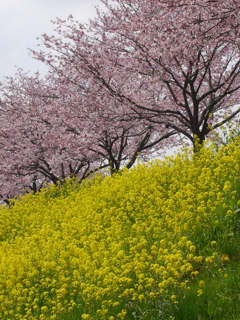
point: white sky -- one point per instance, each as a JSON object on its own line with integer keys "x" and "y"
{"x": 22, "y": 21}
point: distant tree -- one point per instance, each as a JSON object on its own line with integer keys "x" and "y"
{"x": 32, "y": 149}
{"x": 169, "y": 62}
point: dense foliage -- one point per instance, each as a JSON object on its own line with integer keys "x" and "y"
{"x": 160, "y": 241}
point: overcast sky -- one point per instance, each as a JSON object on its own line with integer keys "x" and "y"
{"x": 22, "y": 21}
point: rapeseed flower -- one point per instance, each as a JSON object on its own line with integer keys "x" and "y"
{"x": 112, "y": 245}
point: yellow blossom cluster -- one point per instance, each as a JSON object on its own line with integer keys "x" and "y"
{"x": 114, "y": 247}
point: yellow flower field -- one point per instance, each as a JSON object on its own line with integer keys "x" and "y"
{"x": 129, "y": 246}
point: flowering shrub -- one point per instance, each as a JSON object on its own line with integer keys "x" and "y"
{"x": 123, "y": 247}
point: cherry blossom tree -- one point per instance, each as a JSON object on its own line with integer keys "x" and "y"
{"x": 52, "y": 130}
{"x": 139, "y": 77}
{"x": 33, "y": 144}
{"x": 172, "y": 62}
{"x": 86, "y": 103}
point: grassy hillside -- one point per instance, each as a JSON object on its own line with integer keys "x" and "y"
{"x": 160, "y": 241}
